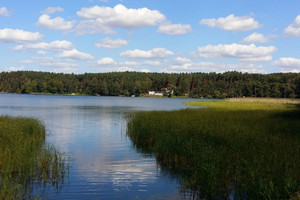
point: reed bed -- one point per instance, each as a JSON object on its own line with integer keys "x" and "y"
{"x": 249, "y": 104}
{"x": 228, "y": 151}
{"x": 25, "y": 160}
{"x": 265, "y": 100}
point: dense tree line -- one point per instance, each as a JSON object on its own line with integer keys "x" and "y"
{"x": 210, "y": 85}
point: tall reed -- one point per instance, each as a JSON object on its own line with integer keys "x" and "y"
{"x": 221, "y": 152}
{"x": 25, "y": 160}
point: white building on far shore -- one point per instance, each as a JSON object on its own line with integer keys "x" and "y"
{"x": 155, "y": 93}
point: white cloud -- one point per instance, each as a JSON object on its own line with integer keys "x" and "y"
{"x": 177, "y": 65}
{"x": 42, "y": 52}
{"x": 174, "y": 29}
{"x": 294, "y": 28}
{"x": 145, "y": 70}
{"x": 4, "y": 12}
{"x": 122, "y": 17}
{"x": 106, "y": 61}
{"x": 56, "y": 23}
{"x": 51, "y": 10}
{"x": 153, "y": 63}
{"x": 212, "y": 67}
{"x": 74, "y": 54}
{"x": 111, "y": 44}
{"x": 232, "y": 23}
{"x": 256, "y": 38}
{"x": 18, "y": 36}
{"x": 93, "y": 26}
{"x": 109, "y": 64}
{"x": 124, "y": 69}
{"x": 9, "y": 69}
{"x": 103, "y": 19}
{"x": 54, "y": 64}
{"x": 182, "y": 60}
{"x": 58, "y": 45}
{"x": 245, "y": 53}
{"x": 288, "y": 64}
{"x": 152, "y": 54}
{"x": 130, "y": 64}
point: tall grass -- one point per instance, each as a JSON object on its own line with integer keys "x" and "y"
{"x": 226, "y": 151}
{"x": 26, "y": 160}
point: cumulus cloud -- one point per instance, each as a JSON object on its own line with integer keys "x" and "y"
{"x": 153, "y": 63}
{"x": 106, "y": 61}
{"x": 104, "y": 19}
{"x": 9, "y": 69}
{"x": 122, "y": 17}
{"x": 213, "y": 67}
{"x": 109, "y": 64}
{"x": 18, "y": 36}
{"x": 174, "y": 29}
{"x": 48, "y": 62}
{"x": 145, "y": 70}
{"x": 245, "y": 53}
{"x": 4, "y": 12}
{"x": 182, "y": 60}
{"x": 42, "y": 52}
{"x": 92, "y": 26}
{"x": 74, "y": 54}
{"x": 293, "y": 29}
{"x": 177, "y": 65}
{"x": 58, "y": 45}
{"x": 53, "y": 64}
{"x": 288, "y": 64}
{"x": 51, "y": 10}
{"x": 56, "y": 23}
{"x": 155, "y": 53}
{"x": 232, "y": 23}
{"x": 256, "y": 38}
{"x": 111, "y": 44}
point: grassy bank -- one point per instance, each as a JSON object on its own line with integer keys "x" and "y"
{"x": 246, "y": 149}
{"x": 25, "y": 160}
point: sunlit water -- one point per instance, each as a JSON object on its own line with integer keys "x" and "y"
{"x": 93, "y": 131}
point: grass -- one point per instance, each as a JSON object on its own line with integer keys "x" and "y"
{"x": 26, "y": 160}
{"x": 242, "y": 149}
{"x": 248, "y": 104}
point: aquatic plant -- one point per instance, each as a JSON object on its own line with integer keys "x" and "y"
{"x": 242, "y": 151}
{"x": 26, "y": 163}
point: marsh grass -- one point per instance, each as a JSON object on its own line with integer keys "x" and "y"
{"x": 25, "y": 160}
{"x": 249, "y": 104}
{"x": 244, "y": 151}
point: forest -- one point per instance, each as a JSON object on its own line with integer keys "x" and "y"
{"x": 192, "y": 85}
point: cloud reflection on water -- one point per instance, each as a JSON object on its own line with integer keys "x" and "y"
{"x": 93, "y": 129}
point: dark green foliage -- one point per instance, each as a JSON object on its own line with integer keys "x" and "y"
{"x": 251, "y": 153}
{"x": 210, "y": 85}
{"x": 25, "y": 160}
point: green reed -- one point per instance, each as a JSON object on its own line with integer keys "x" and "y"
{"x": 26, "y": 160}
{"x": 221, "y": 152}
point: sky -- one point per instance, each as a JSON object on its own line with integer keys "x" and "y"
{"x": 170, "y": 36}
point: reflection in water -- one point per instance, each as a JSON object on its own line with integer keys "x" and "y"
{"x": 92, "y": 130}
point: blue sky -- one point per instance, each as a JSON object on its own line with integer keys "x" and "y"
{"x": 150, "y": 36}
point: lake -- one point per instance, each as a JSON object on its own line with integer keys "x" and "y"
{"x": 92, "y": 130}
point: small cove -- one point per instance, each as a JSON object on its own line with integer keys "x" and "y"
{"x": 93, "y": 131}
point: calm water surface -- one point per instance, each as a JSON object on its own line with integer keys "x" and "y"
{"x": 93, "y": 131}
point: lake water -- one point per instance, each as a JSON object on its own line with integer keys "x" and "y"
{"x": 93, "y": 131}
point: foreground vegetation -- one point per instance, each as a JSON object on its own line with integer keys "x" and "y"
{"x": 195, "y": 85}
{"x": 27, "y": 165}
{"x": 242, "y": 149}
